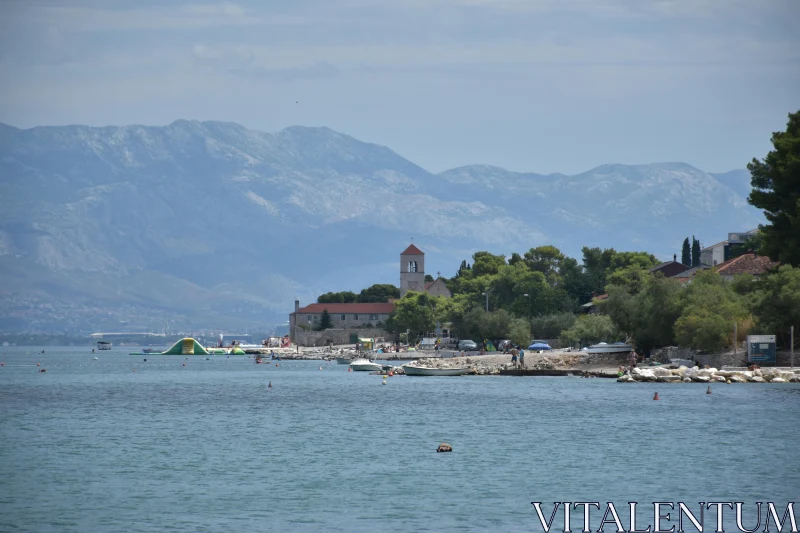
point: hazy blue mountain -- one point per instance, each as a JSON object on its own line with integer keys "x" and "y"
{"x": 737, "y": 180}
{"x": 212, "y": 224}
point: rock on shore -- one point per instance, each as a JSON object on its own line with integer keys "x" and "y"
{"x": 707, "y": 375}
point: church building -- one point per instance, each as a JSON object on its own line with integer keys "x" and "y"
{"x": 352, "y": 316}
{"x": 412, "y": 275}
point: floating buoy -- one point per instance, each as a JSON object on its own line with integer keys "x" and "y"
{"x": 348, "y": 368}
{"x": 728, "y": 382}
{"x": 320, "y": 368}
{"x": 95, "y": 359}
{"x": 276, "y": 364}
{"x": 444, "y": 447}
{"x": 134, "y": 370}
{"x": 391, "y": 373}
{"x": 655, "y": 397}
{"x": 38, "y": 364}
{"x": 2, "y": 364}
{"x": 270, "y": 385}
{"x": 145, "y": 360}
{"x": 43, "y": 370}
{"x": 708, "y": 390}
{"x": 383, "y": 382}
{"x": 184, "y": 364}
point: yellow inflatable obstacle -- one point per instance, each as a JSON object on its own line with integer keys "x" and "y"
{"x": 187, "y": 346}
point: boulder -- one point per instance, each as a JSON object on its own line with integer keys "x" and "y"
{"x": 737, "y": 378}
{"x": 720, "y": 379}
{"x": 687, "y": 380}
{"x": 701, "y": 379}
{"x": 795, "y": 379}
{"x": 661, "y": 372}
{"x": 756, "y": 379}
{"x": 625, "y": 379}
{"x": 724, "y": 373}
{"x": 444, "y": 447}
{"x": 778, "y": 380}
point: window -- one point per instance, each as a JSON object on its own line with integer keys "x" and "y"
{"x": 355, "y": 316}
{"x": 309, "y": 318}
{"x": 373, "y": 317}
{"x": 342, "y": 316}
{"x": 412, "y": 266}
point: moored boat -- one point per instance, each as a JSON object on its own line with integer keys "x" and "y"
{"x": 343, "y": 360}
{"x": 412, "y": 370}
{"x": 617, "y": 347}
{"x": 365, "y": 365}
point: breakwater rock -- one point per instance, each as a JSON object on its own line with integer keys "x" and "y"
{"x": 711, "y": 375}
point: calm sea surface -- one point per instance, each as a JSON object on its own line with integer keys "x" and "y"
{"x": 91, "y": 446}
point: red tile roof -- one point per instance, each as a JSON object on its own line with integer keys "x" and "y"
{"x": 373, "y": 308}
{"x": 412, "y": 250}
{"x": 428, "y": 284}
{"x": 756, "y": 265}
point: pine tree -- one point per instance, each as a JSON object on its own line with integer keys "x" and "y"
{"x": 695, "y": 252}
{"x": 325, "y": 321}
{"x": 776, "y": 190}
{"x": 686, "y": 257}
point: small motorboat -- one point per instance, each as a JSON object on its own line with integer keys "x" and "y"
{"x": 617, "y": 347}
{"x": 365, "y": 365}
{"x": 413, "y": 370}
{"x": 343, "y": 360}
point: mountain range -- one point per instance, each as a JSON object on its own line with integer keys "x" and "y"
{"x": 211, "y": 224}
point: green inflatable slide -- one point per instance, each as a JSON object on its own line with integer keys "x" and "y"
{"x": 187, "y": 346}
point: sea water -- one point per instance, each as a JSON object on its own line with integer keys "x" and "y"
{"x": 92, "y": 446}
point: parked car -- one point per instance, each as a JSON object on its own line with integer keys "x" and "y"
{"x": 467, "y": 345}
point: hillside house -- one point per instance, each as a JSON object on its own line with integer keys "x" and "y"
{"x": 754, "y": 264}
{"x": 670, "y": 268}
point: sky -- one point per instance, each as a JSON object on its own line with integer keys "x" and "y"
{"x": 529, "y": 85}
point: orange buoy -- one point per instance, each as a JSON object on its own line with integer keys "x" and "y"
{"x": 38, "y": 364}
{"x": 391, "y": 373}
{"x": 184, "y": 364}
{"x": 655, "y": 397}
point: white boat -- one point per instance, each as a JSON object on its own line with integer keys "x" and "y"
{"x": 344, "y": 360}
{"x": 413, "y": 370}
{"x": 103, "y": 345}
{"x": 617, "y": 347}
{"x": 365, "y": 365}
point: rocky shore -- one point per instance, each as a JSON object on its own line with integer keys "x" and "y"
{"x": 498, "y": 363}
{"x": 683, "y": 374}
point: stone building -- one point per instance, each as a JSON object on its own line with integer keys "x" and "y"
{"x": 362, "y": 319}
{"x": 412, "y": 275}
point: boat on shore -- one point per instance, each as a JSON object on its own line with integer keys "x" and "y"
{"x": 413, "y": 370}
{"x": 365, "y": 365}
{"x": 617, "y": 347}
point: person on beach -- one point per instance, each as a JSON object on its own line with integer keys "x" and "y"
{"x": 633, "y": 359}
{"x": 514, "y": 353}
{"x": 522, "y": 358}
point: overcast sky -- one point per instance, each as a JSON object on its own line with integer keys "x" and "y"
{"x": 530, "y": 85}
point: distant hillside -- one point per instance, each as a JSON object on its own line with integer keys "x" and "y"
{"x": 212, "y": 224}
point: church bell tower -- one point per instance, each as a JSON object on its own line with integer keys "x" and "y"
{"x": 412, "y": 270}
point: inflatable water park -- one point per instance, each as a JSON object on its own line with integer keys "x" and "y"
{"x": 189, "y": 346}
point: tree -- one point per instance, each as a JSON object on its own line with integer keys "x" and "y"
{"x": 345, "y": 297}
{"x": 325, "y": 321}
{"x": 776, "y": 303}
{"x": 686, "y": 257}
{"x": 418, "y": 312}
{"x": 590, "y": 329}
{"x": 519, "y": 332}
{"x": 776, "y": 190}
{"x": 551, "y": 326}
{"x": 378, "y": 293}
{"x": 428, "y": 278}
{"x": 695, "y": 252}
{"x": 710, "y": 309}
